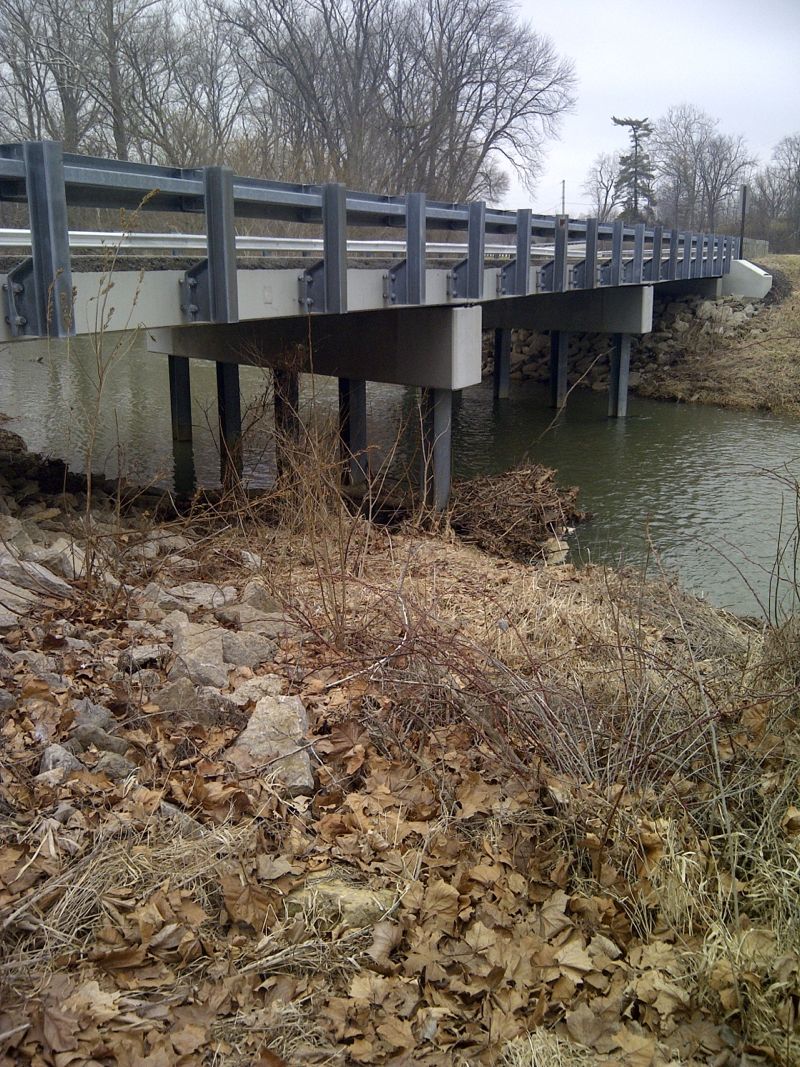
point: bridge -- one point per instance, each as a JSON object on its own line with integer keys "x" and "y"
{"x": 410, "y": 311}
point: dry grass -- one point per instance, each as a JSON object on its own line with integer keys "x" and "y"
{"x": 648, "y": 740}
{"x": 543, "y": 1048}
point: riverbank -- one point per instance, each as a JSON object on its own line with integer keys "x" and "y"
{"x": 729, "y": 352}
{"x": 753, "y": 366}
{"x": 307, "y": 790}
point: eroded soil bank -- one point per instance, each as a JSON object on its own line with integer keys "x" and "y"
{"x": 278, "y": 786}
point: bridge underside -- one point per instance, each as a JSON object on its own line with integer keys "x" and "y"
{"x": 436, "y": 346}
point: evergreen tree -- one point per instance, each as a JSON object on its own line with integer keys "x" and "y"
{"x": 635, "y": 177}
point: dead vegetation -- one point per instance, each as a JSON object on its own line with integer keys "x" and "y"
{"x": 556, "y": 819}
{"x": 760, "y": 371}
{"x": 515, "y": 514}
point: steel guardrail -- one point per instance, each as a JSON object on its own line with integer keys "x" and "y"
{"x": 38, "y": 290}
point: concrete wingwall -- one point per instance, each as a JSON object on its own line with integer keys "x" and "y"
{"x": 746, "y": 280}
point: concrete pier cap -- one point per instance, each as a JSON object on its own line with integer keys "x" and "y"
{"x": 431, "y": 347}
{"x": 746, "y": 280}
{"x": 625, "y": 309}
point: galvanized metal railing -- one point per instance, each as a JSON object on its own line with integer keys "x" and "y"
{"x": 38, "y": 290}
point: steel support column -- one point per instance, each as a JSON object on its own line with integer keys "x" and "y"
{"x": 559, "y": 345}
{"x": 437, "y": 424}
{"x": 180, "y": 398}
{"x": 618, "y": 376}
{"x": 229, "y": 409}
{"x": 502, "y": 363}
{"x": 286, "y": 399}
{"x": 353, "y": 429}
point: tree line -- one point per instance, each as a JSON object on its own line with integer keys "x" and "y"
{"x": 439, "y": 96}
{"x": 683, "y": 171}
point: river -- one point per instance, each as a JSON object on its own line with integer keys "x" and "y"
{"x": 692, "y": 490}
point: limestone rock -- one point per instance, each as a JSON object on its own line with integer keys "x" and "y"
{"x": 185, "y": 825}
{"x": 138, "y": 656}
{"x": 251, "y": 691}
{"x": 202, "y": 595}
{"x": 32, "y": 576}
{"x": 89, "y": 714}
{"x": 257, "y": 595}
{"x": 204, "y": 704}
{"x": 58, "y": 758}
{"x": 14, "y": 535}
{"x": 146, "y": 678}
{"x": 246, "y": 649}
{"x": 272, "y": 744}
{"x": 154, "y": 594}
{"x": 207, "y": 674}
{"x": 114, "y": 766}
{"x": 7, "y": 701}
{"x": 252, "y": 619}
{"x": 88, "y": 735}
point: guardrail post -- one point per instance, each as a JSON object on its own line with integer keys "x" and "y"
{"x": 416, "y": 240}
{"x": 637, "y": 265}
{"x": 617, "y": 237}
{"x": 522, "y": 262}
{"x": 658, "y": 247}
{"x": 223, "y": 306}
{"x": 223, "y": 291}
{"x": 514, "y": 281}
{"x": 696, "y": 246}
{"x": 728, "y": 255}
{"x": 590, "y": 262}
{"x": 674, "y": 237}
{"x": 404, "y": 282}
{"x": 514, "y": 277}
{"x": 619, "y": 372}
{"x": 39, "y": 290}
{"x": 466, "y": 278}
{"x": 560, "y": 260}
{"x": 686, "y": 265}
{"x": 334, "y": 235}
{"x": 437, "y": 419}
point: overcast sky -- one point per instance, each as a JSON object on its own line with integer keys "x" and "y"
{"x": 739, "y": 60}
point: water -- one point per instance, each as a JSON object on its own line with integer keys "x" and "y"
{"x": 685, "y": 483}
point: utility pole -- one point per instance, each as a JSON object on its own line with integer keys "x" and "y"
{"x": 563, "y": 196}
{"x": 744, "y": 215}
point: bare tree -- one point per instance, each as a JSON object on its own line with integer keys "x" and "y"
{"x": 601, "y": 186}
{"x": 43, "y": 49}
{"x": 699, "y": 170}
{"x": 724, "y": 164}
{"x": 678, "y": 141}
{"x": 775, "y": 203}
{"x": 428, "y": 94}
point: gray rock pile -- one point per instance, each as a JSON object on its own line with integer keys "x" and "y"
{"x": 679, "y": 326}
{"x": 189, "y": 651}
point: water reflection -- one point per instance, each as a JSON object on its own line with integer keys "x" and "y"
{"x": 687, "y": 483}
